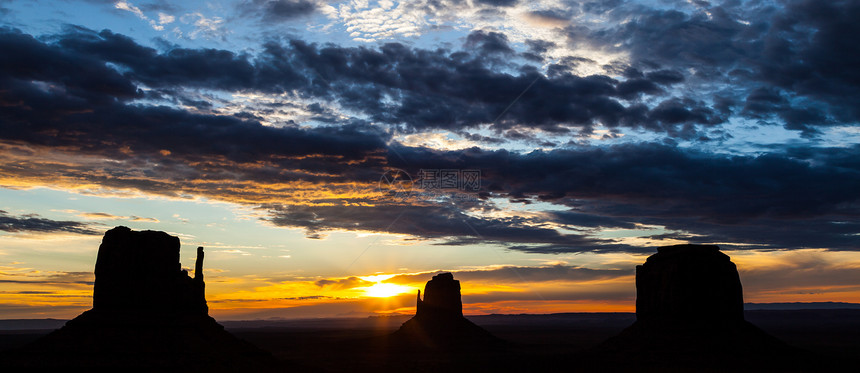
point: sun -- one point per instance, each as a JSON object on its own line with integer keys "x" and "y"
{"x": 383, "y": 290}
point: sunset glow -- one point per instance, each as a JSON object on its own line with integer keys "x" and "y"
{"x": 382, "y": 290}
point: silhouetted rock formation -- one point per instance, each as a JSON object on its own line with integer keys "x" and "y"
{"x": 141, "y": 271}
{"x": 441, "y": 298}
{"x": 147, "y": 314}
{"x": 686, "y": 283}
{"x": 439, "y": 321}
{"x": 689, "y": 309}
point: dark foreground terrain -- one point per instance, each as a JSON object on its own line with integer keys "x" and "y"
{"x": 826, "y": 340}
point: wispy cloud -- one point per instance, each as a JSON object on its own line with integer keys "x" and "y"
{"x": 210, "y": 28}
{"x": 158, "y": 25}
{"x": 107, "y": 216}
{"x": 33, "y": 223}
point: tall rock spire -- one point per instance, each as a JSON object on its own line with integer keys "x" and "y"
{"x": 198, "y": 266}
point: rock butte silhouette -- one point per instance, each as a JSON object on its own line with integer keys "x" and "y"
{"x": 147, "y": 314}
{"x": 689, "y": 306}
{"x": 141, "y": 271}
{"x": 439, "y": 322}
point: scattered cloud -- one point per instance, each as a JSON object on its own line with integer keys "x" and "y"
{"x": 33, "y": 223}
{"x": 54, "y": 278}
{"x": 158, "y": 25}
{"x": 106, "y": 216}
{"x": 367, "y": 22}
{"x": 209, "y": 28}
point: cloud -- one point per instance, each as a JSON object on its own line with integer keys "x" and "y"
{"x": 342, "y": 284}
{"x": 234, "y": 251}
{"x": 489, "y": 43}
{"x": 67, "y": 98}
{"x": 370, "y": 22}
{"x": 210, "y": 28}
{"x": 163, "y": 19}
{"x": 104, "y": 215}
{"x": 772, "y": 200}
{"x": 446, "y": 223}
{"x": 436, "y": 89}
{"x": 745, "y": 186}
{"x": 278, "y": 10}
{"x": 550, "y": 17}
{"x": 502, "y": 3}
{"x": 125, "y": 5}
{"x": 796, "y": 50}
{"x": 798, "y": 274}
{"x": 516, "y": 274}
{"x": 50, "y": 278}
{"x": 71, "y": 118}
{"x": 32, "y": 223}
{"x": 439, "y": 89}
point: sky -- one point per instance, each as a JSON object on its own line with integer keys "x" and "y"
{"x": 331, "y": 156}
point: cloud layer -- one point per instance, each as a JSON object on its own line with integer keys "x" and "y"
{"x": 304, "y": 130}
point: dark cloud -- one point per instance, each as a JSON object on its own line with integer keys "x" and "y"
{"x": 537, "y": 48}
{"x": 488, "y": 42}
{"x": 395, "y": 84}
{"x": 803, "y": 198}
{"x": 522, "y": 274}
{"x": 32, "y": 223}
{"x": 600, "y": 7}
{"x": 810, "y": 51}
{"x": 86, "y": 92}
{"x": 431, "y": 221}
{"x": 178, "y": 67}
{"x": 554, "y": 15}
{"x": 632, "y": 88}
{"x": 717, "y": 186}
{"x": 800, "y": 50}
{"x": 49, "y": 102}
{"x": 277, "y": 10}
{"x": 503, "y": 3}
{"x": 61, "y": 95}
{"x": 829, "y": 232}
{"x": 580, "y": 220}
{"x": 665, "y": 77}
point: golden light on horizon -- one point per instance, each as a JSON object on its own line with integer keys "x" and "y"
{"x": 385, "y": 290}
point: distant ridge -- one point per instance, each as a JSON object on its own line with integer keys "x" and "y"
{"x": 31, "y": 324}
{"x": 802, "y": 306}
{"x": 44, "y": 324}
